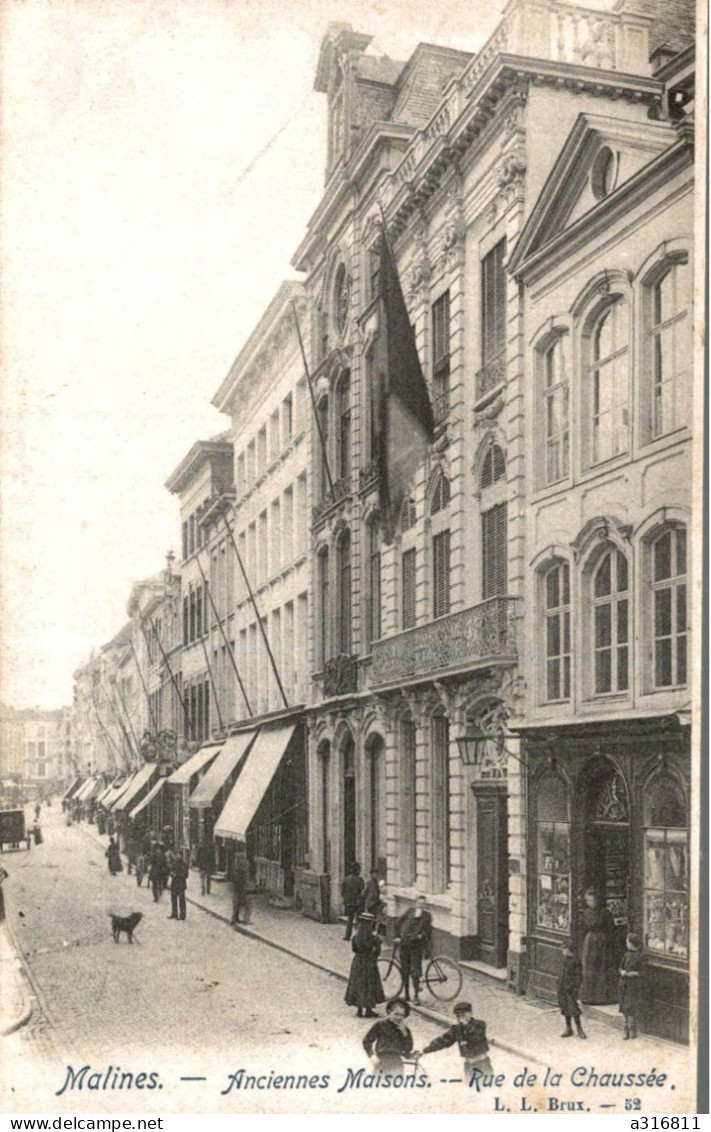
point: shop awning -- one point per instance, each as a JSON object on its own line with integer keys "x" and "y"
{"x": 113, "y": 785}
{"x": 113, "y": 791}
{"x": 120, "y": 789}
{"x": 83, "y": 792}
{"x": 253, "y": 782}
{"x": 141, "y": 781}
{"x": 152, "y": 793}
{"x": 195, "y": 763}
{"x": 94, "y": 790}
{"x": 72, "y": 789}
{"x": 234, "y": 749}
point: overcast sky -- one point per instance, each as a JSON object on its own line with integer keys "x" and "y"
{"x": 161, "y": 159}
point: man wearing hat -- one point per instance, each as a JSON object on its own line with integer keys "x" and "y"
{"x": 469, "y": 1034}
{"x": 389, "y": 1041}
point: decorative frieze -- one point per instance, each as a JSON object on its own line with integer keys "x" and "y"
{"x": 340, "y": 676}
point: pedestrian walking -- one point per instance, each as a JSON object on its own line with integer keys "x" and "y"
{"x": 178, "y": 885}
{"x": 414, "y": 935}
{"x": 113, "y": 857}
{"x": 240, "y": 897}
{"x": 598, "y": 938}
{"x": 3, "y": 877}
{"x": 469, "y": 1033}
{"x": 205, "y": 861}
{"x": 631, "y": 984}
{"x": 569, "y": 979}
{"x": 372, "y": 899}
{"x": 365, "y": 989}
{"x": 352, "y": 893}
{"x": 38, "y": 809}
{"x": 157, "y": 871}
{"x": 390, "y": 1040}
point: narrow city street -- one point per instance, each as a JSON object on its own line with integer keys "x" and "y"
{"x": 188, "y": 999}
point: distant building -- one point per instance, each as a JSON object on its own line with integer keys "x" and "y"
{"x": 44, "y": 761}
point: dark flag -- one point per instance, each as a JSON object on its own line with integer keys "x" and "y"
{"x": 404, "y": 422}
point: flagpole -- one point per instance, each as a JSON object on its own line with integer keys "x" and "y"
{"x": 224, "y": 638}
{"x": 174, "y": 682}
{"x": 212, "y": 682}
{"x": 145, "y": 689}
{"x": 252, "y": 598}
{"x": 117, "y": 719}
{"x": 319, "y": 429}
{"x": 115, "y": 682}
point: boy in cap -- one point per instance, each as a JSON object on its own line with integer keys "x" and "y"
{"x": 469, "y": 1033}
{"x": 569, "y": 981}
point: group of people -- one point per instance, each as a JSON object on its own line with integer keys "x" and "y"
{"x": 164, "y": 867}
{"x": 629, "y": 987}
{"x": 389, "y": 1043}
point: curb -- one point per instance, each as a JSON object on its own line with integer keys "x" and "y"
{"x": 26, "y": 1013}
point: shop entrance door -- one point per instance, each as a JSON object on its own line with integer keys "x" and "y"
{"x": 607, "y": 861}
{"x": 492, "y": 876}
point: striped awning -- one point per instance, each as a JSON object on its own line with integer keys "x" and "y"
{"x": 150, "y": 796}
{"x": 234, "y": 749}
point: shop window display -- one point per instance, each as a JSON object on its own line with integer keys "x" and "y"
{"x": 553, "y": 905}
{"x": 666, "y": 871}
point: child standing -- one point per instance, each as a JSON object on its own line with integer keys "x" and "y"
{"x": 470, "y": 1035}
{"x": 569, "y": 980}
{"x": 630, "y": 985}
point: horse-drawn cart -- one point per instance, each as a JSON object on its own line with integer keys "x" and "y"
{"x": 13, "y": 829}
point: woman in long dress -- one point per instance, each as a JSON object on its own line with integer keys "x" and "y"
{"x": 597, "y": 930}
{"x": 365, "y": 990}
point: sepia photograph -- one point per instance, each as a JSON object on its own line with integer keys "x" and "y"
{"x": 351, "y": 480}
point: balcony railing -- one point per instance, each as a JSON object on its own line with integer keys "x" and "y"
{"x": 341, "y": 489}
{"x": 368, "y": 475}
{"x": 440, "y": 407}
{"x": 482, "y": 633}
{"x": 340, "y": 676}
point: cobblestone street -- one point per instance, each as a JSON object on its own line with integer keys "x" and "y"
{"x": 188, "y": 999}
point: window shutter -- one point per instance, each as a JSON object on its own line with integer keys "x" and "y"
{"x": 440, "y": 561}
{"x": 409, "y": 561}
{"x": 494, "y": 551}
{"x": 493, "y": 302}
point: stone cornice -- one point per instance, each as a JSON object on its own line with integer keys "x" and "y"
{"x": 196, "y": 458}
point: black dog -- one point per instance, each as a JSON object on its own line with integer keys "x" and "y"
{"x": 127, "y": 924}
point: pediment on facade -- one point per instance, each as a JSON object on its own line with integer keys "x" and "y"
{"x": 602, "y": 157}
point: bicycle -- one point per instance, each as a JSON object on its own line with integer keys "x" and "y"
{"x": 442, "y": 976}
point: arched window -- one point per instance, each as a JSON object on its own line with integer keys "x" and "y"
{"x": 345, "y": 637}
{"x": 441, "y": 576}
{"x": 669, "y": 607}
{"x": 609, "y": 382}
{"x": 493, "y": 467}
{"x": 343, "y": 409}
{"x": 553, "y": 849}
{"x": 556, "y": 605}
{"x": 610, "y": 607}
{"x": 670, "y": 348}
{"x": 408, "y": 515}
{"x": 373, "y": 612}
{"x": 555, "y": 411}
{"x": 666, "y": 869}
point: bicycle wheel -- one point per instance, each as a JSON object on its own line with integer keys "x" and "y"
{"x": 390, "y": 977}
{"x": 444, "y": 978}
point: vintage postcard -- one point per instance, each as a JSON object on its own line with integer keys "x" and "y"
{"x": 352, "y": 451}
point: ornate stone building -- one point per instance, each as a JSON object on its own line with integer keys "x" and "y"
{"x": 415, "y": 764}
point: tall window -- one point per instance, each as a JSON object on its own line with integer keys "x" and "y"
{"x": 323, "y": 445}
{"x": 373, "y": 626}
{"x": 493, "y": 318}
{"x": 440, "y": 548}
{"x": 669, "y": 600}
{"x": 493, "y": 467}
{"x": 553, "y": 850}
{"x": 556, "y": 588}
{"x": 408, "y": 802}
{"x": 441, "y": 833}
{"x": 555, "y": 399}
{"x": 666, "y": 869}
{"x": 374, "y": 270}
{"x": 344, "y": 594}
{"x": 610, "y": 603}
{"x": 408, "y": 566}
{"x": 609, "y": 382}
{"x": 670, "y": 334}
{"x": 440, "y": 356}
{"x": 344, "y": 427}
{"x": 323, "y": 639}
{"x": 494, "y": 572}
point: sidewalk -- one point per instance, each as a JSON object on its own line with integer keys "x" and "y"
{"x": 15, "y": 1004}
{"x": 525, "y": 1027}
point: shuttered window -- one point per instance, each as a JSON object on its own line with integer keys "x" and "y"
{"x": 440, "y": 356}
{"x": 408, "y": 802}
{"x": 409, "y": 563}
{"x": 344, "y": 594}
{"x": 493, "y": 549}
{"x": 374, "y": 595}
{"x": 441, "y": 836}
{"x": 324, "y": 610}
{"x": 493, "y": 303}
{"x": 440, "y": 574}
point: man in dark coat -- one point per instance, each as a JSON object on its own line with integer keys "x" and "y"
{"x": 178, "y": 884}
{"x": 568, "y": 987}
{"x": 205, "y": 861}
{"x": 352, "y": 893}
{"x": 469, "y": 1033}
{"x": 240, "y": 898}
{"x": 157, "y": 870}
{"x": 414, "y": 934}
